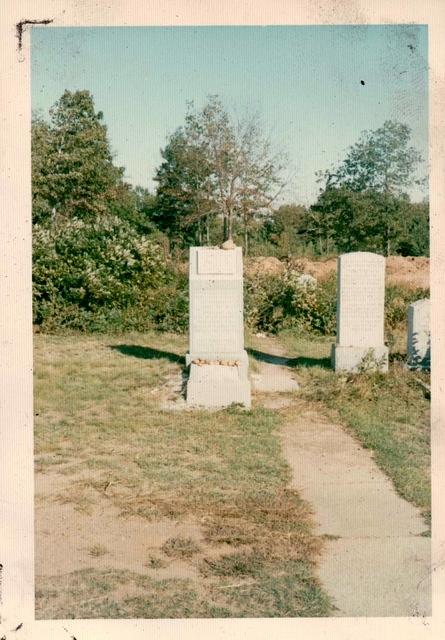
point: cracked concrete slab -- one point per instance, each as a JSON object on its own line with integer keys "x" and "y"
{"x": 379, "y": 565}
{"x": 377, "y": 562}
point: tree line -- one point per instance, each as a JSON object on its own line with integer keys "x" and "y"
{"x": 221, "y": 178}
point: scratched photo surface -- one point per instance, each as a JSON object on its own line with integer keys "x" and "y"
{"x": 231, "y": 321}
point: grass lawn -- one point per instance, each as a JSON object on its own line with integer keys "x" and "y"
{"x": 146, "y": 511}
{"x": 388, "y": 413}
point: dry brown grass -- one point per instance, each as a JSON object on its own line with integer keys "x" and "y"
{"x": 101, "y": 429}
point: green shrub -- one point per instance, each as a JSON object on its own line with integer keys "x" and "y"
{"x": 169, "y": 306}
{"x": 265, "y": 302}
{"x": 276, "y": 302}
{"x": 397, "y": 299}
{"x": 102, "y": 275}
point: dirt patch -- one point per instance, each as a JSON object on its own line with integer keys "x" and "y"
{"x": 412, "y": 272}
{"x": 267, "y": 265}
{"x": 408, "y": 271}
{"x": 71, "y": 539}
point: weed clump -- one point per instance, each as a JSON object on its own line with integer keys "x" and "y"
{"x": 235, "y": 564}
{"x": 97, "y": 551}
{"x": 180, "y": 547}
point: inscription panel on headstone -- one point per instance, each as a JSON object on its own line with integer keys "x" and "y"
{"x": 216, "y": 317}
{"x": 360, "y": 312}
{"x": 215, "y": 261}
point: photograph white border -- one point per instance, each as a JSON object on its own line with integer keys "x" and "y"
{"x": 16, "y": 395}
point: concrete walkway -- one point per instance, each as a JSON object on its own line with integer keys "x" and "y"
{"x": 375, "y": 561}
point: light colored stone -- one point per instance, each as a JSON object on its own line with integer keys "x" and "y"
{"x": 306, "y": 280}
{"x": 216, "y": 329}
{"x": 419, "y": 339}
{"x": 212, "y": 386}
{"x": 360, "y": 313}
{"x": 358, "y": 359}
{"x": 228, "y": 245}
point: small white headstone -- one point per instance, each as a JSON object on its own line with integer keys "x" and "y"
{"x": 360, "y": 313}
{"x": 217, "y": 358}
{"x": 418, "y": 347}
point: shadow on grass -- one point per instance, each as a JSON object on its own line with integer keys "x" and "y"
{"x": 324, "y": 363}
{"x": 397, "y": 357}
{"x": 147, "y": 353}
{"x": 301, "y": 361}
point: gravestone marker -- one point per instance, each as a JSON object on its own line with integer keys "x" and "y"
{"x": 217, "y": 358}
{"x": 360, "y": 313}
{"x": 418, "y": 346}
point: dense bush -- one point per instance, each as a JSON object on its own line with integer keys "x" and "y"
{"x": 102, "y": 275}
{"x": 275, "y": 302}
{"x": 397, "y": 299}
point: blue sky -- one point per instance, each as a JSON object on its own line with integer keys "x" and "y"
{"x": 305, "y": 82}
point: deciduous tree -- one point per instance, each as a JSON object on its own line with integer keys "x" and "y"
{"x": 216, "y": 166}
{"x": 382, "y": 160}
{"x": 364, "y": 202}
{"x": 73, "y": 170}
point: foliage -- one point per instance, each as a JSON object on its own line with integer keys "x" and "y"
{"x": 99, "y": 262}
{"x": 72, "y": 165}
{"x": 169, "y": 306}
{"x": 397, "y": 299}
{"x": 363, "y": 205}
{"x": 381, "y": 161}
{"x": 274, "y": 303}
{"x": 103, "y": 262}
{"x": 135, "y": 205}
{"x": 277, "y": 302}
{"x": 88, "y": 280}
{"x": 214, "y": 166}
{"x": 414, "y": 237}
{"x": 285, "y": 229}
{"x": 368, "y": 221}
{"x": 87, "y": 272}
{"x": 41, "y": 149}
{"x": 183, "y": 194}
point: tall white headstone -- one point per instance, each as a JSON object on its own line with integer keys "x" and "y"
{"x": 418, "y": 346}
{"x": 360, "y": 313}
{"x": 217, "y": 358}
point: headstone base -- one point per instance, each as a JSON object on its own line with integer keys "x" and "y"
{"x": 419, "y": 365}
{"x": 213, "y": 386}
{"x": 240, "y": 357}
{"x": 356, "y": 359}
